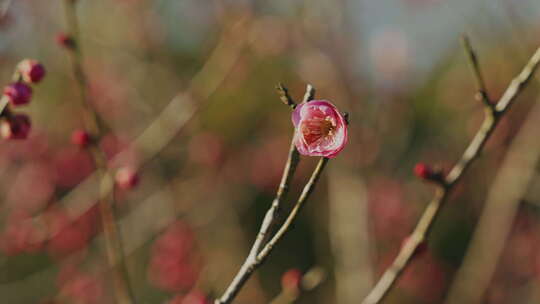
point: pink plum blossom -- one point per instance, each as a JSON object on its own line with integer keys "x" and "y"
{"x": 320, "y": 129}
{"x": 291, "y": 281}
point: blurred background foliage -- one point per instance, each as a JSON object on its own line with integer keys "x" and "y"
{"x": 395, "y": 65}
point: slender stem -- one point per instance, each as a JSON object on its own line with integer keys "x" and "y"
{"x": 494, "y": 112}
{"x": 308, "y": 189}
{"x": 89, "y": 116}
{"x": 475, "y": 64}
{"x": 284, "y": 96}
{"x": 283, "y": 189}
{"x": 247, "y": 268}
{"x": 252, "y": 260}
{"x": 251, "y": 265}
{"x": 115, "y": 256}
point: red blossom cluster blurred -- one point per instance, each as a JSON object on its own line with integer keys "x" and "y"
{"x": 80, "y": 286}
{"x": 194, "y": 297}
{"x": 15, "y": 125}
{"x": 173, "y": 264}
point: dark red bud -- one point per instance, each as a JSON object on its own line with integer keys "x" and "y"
{"x": 80, "y": 138}
{"x": 291, "y": 280}
{"x": 126, "y": 178}
{"x": 18, "y": 93}
{"x": 31, "y": 71}
{"x": 15, "y": 127}
{"x": 65, "y": 40}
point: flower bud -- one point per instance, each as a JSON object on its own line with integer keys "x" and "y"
{"x": 15, "y": 127}
{"x": 291, "y": 281}
{"x": 80, "y": 138}
{"x": 65, "y": 40}
{"x": 424, "y": 171}
{"x": 126, "y": 178}
{"x": 18, "y": 93}
{"x": 31, "y": 71}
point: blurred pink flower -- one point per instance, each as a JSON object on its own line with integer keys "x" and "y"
{"x": 36, "y": 175}
{"x": 178, "y": 240}
{"x": 390, "y": 216}
{"x": 425, "y": 278}
{"x": 72, "y": 166}
{"x": 36, "y": 147}
{"x": 83, "y": 288}
{"x": 265, "y": 168}
{"x": 118, "y": 150}
{"x": 194, "y": 297}
{"x": 172, "y": 267}
{"x": 320, "y": 129}
{"x": 66, "y": 236}
{"x": 21, "y": 235}
{"x": 206, "y": 149}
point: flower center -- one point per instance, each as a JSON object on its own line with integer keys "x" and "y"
{"x": 317, "y": 128}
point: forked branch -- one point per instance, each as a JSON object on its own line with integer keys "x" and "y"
{"x": 260, "y": 251}
{"x": 494, "y": 112}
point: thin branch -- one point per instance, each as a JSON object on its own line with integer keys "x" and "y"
{"x": 284, "y": 96}
{"x": 310, "y": 93}
{"x": 308, "y": 189}
{"x": 493, "y": 116}
{"x": 253, "y": 258}
{"x": 115, "y": 256}
{"x": 475, "y": 64}
{"x": 515, "y": 176}
{"x": 283, "y": 189}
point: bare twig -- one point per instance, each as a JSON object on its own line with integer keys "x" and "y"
{"x": 113, "y": 243}
{"x": 475, "y": 64}
{"x": 494, "y": 112}
{"x": 284, "y": 96}
{"x": 308, "y": 188}
{"x": 514, "y": 177}
{"x": 258, "y": 253}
